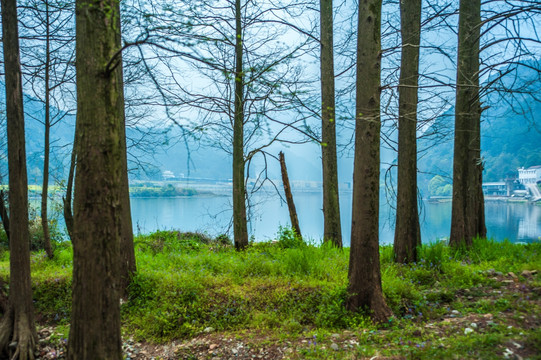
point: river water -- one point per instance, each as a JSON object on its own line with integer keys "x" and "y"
{"x": 212, "y": 214}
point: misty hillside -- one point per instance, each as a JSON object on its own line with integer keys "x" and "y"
{"x": 511, "y": 138}
{"x": 510, "y": 130}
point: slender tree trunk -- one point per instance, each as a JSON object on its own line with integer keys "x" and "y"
{"x": 45, "y": 186}
{"x": 18, "y": 335}
{"x": 365, "y": 291}
{"x": 331, "y": 205}
{"x": 68, "y": 213}
{"x": 95, "y": 318}
{"x": 127, "y": 251}
{"x": 4, "y": 217}
{"x": 407, "y": 232}
{"x": 289, "y": 197}
{"x": 240, "y": 226}
{"x": 467, "y": 219}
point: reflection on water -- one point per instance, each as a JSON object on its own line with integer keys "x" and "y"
{"x": 516, "y": 222}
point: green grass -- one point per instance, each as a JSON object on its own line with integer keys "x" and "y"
{"x": 187, "y": 282}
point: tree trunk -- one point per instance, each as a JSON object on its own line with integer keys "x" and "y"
{"x": 68, "y": 213}
{"x": 365, "y": 291}
{"x": 407, "y": 235}
{"x": 95, "y": 318}
{"x": 46, "y": 152}
{"x": 331, "y": 205}
{"x": 18, "y": 336}
{"x": 4, "y": 217}
{"x": 289, "y": 197}
{"x": 240, "y": 226}
{"x": 467, "y": 219}
{"x": 127, "y": 251}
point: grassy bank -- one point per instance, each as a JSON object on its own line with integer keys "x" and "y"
{"x": 285, "y": 300}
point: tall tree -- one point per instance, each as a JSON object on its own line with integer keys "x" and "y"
{"x": 95, "y": 325}
{"x": 240, "y": 229}
{"x": 407, "y": 231}
{"x": 18, "y": 336}
{"x": 250, "y": 84}
{"x": 467, "y": 219}
{"x": 331, "y": 205}
{"x": 47, "y": 150}
{"x": 47, "y": 57}
{"x": 364, "y": 275}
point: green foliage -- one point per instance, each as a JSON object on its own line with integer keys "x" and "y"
{"x": 434, "y": 254}
{"x": 176, "y": 241}
{"x": 36, "y": 230}
{"x": 189, "y": 282}
{"x": 438, "y": 186}
{"x": 288, "y": 238}
{"x": 168, "y": 190}
{"x": 332, "y": 313}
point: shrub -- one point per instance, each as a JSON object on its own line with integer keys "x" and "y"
{"x": 288, "y": 238}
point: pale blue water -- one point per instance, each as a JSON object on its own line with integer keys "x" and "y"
{"x": 516, "y": 222}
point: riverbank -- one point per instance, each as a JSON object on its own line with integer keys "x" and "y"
{"x": 506, "y": 199}
{"x": 197, "y": 298}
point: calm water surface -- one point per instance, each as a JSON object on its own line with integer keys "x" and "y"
{"x": 516, "y": 222}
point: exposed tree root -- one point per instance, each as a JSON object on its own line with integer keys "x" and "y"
{"x": 17, "y": 337}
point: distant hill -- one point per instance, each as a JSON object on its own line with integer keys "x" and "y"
{"x": 510, "y": 133}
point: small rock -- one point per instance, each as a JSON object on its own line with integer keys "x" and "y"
{"x": 234, "y": 351}
{"x": 455, "y": 312}
{"x": 209, "y": 329}
{"x": 498, "y": 273}
{"x": 512, "y": 275}
{"x": 335, "y": 346}
{"x": 517, "y": 345}
{"x": 336, "y": 336}
{"x": 526, "y": 273}
{"x": 473, "y": 325}
{"x": 213, "y": 346}
{"x": 508, "y": 354}
{"x": 468, "y": 331}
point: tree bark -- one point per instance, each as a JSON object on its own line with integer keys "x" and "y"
{"x": 4, "y": 216}
{"x": 467, "y": 219}
{"x": 331, "y": 205}
{"x": 240, "y": 226}
{"x": 95, "y": 318}
{"x": 365, "y": 290}
{"x": 46, "y": 151}
{"x": 18, "y": 335}
{"x": 289, "y": 197}
{"x": 407, "y": 235}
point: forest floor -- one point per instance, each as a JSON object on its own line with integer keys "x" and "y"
{"x": 285, "y": 301}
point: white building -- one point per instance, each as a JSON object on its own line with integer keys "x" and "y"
{"x": 168, "y": 175}
{"x": 531, "y": 175}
